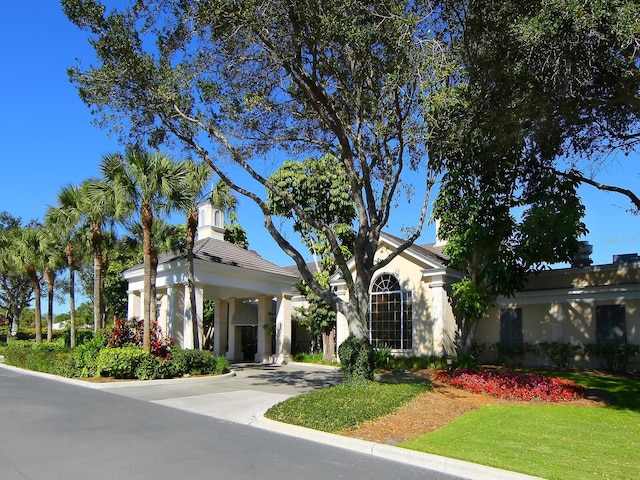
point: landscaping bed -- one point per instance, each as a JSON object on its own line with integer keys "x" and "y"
{"x": 430, "y": 411}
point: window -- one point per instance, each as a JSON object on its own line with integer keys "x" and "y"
{"x": 511, "y": 325}
{"x": 610, "y": 324}
{"x": 390, "y": 314}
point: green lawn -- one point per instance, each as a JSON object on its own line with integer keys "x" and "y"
{"x": 555, "y": 442}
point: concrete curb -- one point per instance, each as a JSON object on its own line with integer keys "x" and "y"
{"x": 446, "y": 465}
{"x": 116, "y": 384}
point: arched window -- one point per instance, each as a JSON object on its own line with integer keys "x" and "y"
{"x": 218, "y": 218}
{"x": 390, "y": 314}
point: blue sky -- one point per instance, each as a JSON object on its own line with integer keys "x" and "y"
{"x": 47, "y": 140}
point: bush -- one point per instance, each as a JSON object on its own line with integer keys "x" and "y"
{"x": 120, "y": 362}
{"x": 615, "y": 356}
{"x": 197, "y": 362}
{"x": 560, "y": 353}
{"x": 511, "y": 353}
{"x": 382, "y": 357}
{"x": 357, "y": 359}
{"x": 85, "y": 355}
{"x": 126, "y": 333}
{"x": 515, "y": 385}
{"x": 51, "y": 358}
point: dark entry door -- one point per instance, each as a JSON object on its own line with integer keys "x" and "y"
{"x": 249, "y": 339}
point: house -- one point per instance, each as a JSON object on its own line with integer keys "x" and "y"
{"x": 252, "y": 316}
{"x": 575, "y": 305}
{"x": 410, "y": 312}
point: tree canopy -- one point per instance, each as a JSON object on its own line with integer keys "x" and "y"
{"x": 240, "y": 83}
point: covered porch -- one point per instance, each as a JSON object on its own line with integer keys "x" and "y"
{"x": 252, "y": 298}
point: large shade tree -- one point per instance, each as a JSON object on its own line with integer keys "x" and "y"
{"x": 323, "y": 192}
{"x": 564, "y": 73}
{"x": 542, "y": 91}
{"x": 239, "y": 83}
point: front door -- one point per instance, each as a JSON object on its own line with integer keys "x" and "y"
{"x": 249, "y": 339}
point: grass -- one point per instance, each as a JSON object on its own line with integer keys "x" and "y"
{"x": 345, "y": 405}
{"x": 554, "y": 442}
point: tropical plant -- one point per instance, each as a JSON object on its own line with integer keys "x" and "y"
{"x": 195, "y": 180}
{"x": 148, "y": 184}
{"x": 65, "y": 218}
{"x": 514, "y": 385}
{"x": 15, "y": 287}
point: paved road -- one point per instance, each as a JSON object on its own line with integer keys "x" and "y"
{"x": 54, "y": 428}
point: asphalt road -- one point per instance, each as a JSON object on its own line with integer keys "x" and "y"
{"x": 51, "y": 430}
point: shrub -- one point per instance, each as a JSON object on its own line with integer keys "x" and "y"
{"x": 85, "y": 355}
{"x": 51, "y": 358}
{"x": 357, "y": 359}
{"x": 513, "y": 385}
{"x": 197, "y": 362}
{"x": 130, "y": 332}
{"x": 560, "y": 353}
{"x": 119, "y": 362}
{"x": 511, "y": 353}
{"x": 615, "y": 356}
{"x": 382, "y": 357}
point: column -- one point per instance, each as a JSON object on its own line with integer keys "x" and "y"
{"x": 342, "y": 331}
{"x": 133, "y": 304}
{"x": 233, "y": 348}
{"x": 283, "y": 329}
{"x": 221, "y": 327}
{"x": 189, "y": 340}
{"x": 266, "y": 326}
{"x": 163, "y": 313}
{"x": 171, "y": 312}
{"x": 187, "y": 326}
{"x": 442, "y": 340}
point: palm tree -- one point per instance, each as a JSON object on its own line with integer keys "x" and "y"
{"x": 52, "y": 251}
{"x": 165, "y": 238}
{"x": 93, "y": 207}
{"x": 149, "y": 184}
{"x": 222, "y": 198}
{"x": 66, "y": 219}
{"x": 196, "y": 179}
{"x": 15, "y": 287}
{"x": 27, "y": 255}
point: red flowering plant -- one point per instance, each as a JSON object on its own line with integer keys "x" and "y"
{"x": 130, "y": 332}
{"x": 513, "y": 385}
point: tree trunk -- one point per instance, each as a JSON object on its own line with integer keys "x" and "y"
{"x": 50, "y": 277}
{"x": 467, "y": 334}
{"x": 70, "y": 251}
{"x": 192, "y": 225}
{"x": 146, "y": 219}
{"x": 35, "y": 281}
{"x": 153, "y": 318}
{"x": 329, "y": 344}
{"x": 96, "y": 243}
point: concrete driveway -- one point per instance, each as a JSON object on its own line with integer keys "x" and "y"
{"x": 241, "y": 396}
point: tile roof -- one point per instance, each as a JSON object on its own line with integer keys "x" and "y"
{"x": 219, "y": 251}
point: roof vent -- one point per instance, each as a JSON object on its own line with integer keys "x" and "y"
{"x": 626, "y": 257}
